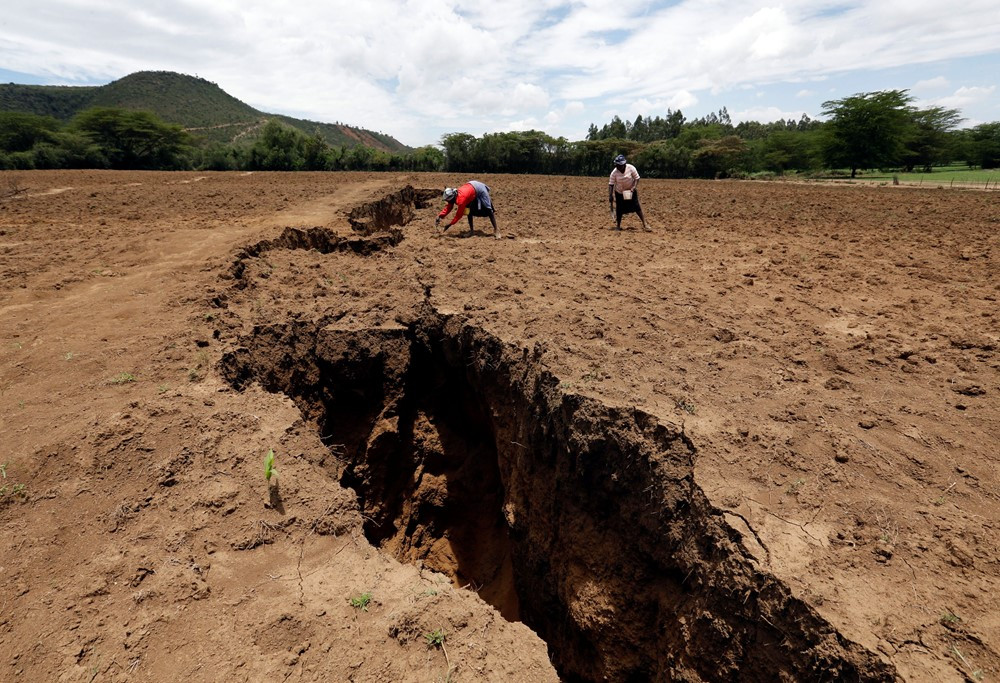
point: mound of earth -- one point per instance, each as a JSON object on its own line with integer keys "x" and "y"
{"x": 757, "y": 444}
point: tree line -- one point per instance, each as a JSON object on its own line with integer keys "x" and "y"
{"x": 880, "y": 130}
{"x": 106, "y": 137}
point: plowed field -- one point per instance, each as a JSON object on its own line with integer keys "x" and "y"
{"x": 761, "y": 442}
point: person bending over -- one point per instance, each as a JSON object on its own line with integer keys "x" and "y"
{"x": 472, "y": 199}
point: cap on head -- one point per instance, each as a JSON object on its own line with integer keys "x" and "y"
{"x": 450, "y": 193}
{"x": 620, "y": 160}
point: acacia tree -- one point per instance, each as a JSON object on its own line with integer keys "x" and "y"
{"x": 133, "y": 139}
{"x": 928, "y": 141}
{"x": 984, "y": 145}
{"x": 867, "y": 130}
{"x": 20, "y": 132}
{"x": 785, "y": 149}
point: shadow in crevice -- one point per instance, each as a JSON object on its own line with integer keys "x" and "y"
{"x": 323, "y": 240}
{"x": 394, "y": 210}
{"x": 581, "y": 519}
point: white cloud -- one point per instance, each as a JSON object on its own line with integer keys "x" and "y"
{"x": 521, "y": 124}
{"x": 963, "y": 97}
{"x": 418, "y": 68}
{"x": 763, "y": 115}
{"x": 529, "y": 96}
{"x": 557, "y": 116}
{"x": 681, "y": 99}
{"x": 930, "y": 84}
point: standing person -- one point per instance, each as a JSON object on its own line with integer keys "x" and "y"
{"x": 623, "y": 192}
{"x": 474, "y": 198}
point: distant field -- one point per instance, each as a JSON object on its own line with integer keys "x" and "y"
{"x": 942, "y": 175}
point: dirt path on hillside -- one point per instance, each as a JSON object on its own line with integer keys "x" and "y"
{"x": 757, "y": 442}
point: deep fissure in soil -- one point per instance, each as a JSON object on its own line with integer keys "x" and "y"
{"x": 323, "y": 240}
{"x": 580, "y": 519}
{"x": 395, "y": 209}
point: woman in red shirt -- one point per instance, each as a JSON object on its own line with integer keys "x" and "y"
{"x": 473, "y": 199}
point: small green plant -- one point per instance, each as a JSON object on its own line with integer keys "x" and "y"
{"x": 123, "y": 378}
{"x": 269, "y": 470}
{"x": 435, "y": 638}
{"x": 949, "y": 618}
{"x": 20, "y": 404}
{"x": 69, "y": 355}
{"x": 361, "y": 602}
{"x": 161, "y": 389}
{"x": 19, "y": 490}
{"x": 3, "y": 470}
{"x": 794, "y": 487}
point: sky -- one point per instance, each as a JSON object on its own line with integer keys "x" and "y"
{"x": 420, "y": 69}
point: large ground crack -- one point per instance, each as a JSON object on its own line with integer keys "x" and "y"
{"x": 395, "y": 209}
{"x": 580, "y": 519}
{"x": 323, "y": 240}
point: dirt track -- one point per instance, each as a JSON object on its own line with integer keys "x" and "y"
{"x": 758, "y": 442}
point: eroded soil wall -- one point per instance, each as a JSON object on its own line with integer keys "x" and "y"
{"x": 580, "y": 519}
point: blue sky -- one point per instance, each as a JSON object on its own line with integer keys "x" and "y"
{"x": 418, "y": 69}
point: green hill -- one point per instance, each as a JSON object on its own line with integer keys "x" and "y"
{"x": 202, "y": 107}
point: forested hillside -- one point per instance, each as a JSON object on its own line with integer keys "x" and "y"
{"x": 202, "y": 108}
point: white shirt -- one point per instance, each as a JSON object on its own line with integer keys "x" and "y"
{"x": 626, "y": 180}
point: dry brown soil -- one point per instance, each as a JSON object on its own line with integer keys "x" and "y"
{"x": 759, "y": 443}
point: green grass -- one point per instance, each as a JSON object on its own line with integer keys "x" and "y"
{"x": 950, "y": 618}
{"x": 269, "y": 469}
{"x": 10, "y": 491}
{"x": 435, "y": 638}
{"x": 361, "y": 602}
{"x": 939, "y": 175}
{"x": 123, "y": 378}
